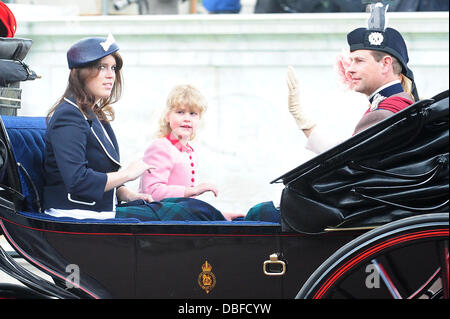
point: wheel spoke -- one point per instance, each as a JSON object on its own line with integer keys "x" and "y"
{"x": 400, "y": 253}
{"x": 400, "y": 279}
{"x": 443, "y": 255}
{"x": 387, "y": 279}
{"x": 423, "y": 289}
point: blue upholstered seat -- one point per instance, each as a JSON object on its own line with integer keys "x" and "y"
{"x": 26, "y": 135}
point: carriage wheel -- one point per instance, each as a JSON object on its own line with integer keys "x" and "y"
{"x": 406, "y": 259}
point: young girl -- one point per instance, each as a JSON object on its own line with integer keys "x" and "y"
{"x": 175, "y": 161}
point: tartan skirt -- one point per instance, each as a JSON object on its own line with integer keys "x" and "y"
{"x": 191, "y": 209}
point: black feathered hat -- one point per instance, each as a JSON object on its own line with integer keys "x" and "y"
{"x": 377, "y": 37}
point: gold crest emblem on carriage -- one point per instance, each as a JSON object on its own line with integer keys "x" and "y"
{"x": 207, "y": 279}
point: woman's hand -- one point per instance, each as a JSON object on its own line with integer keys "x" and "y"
{"x": 137, "y": 168}
{"x": 130, "y": 173}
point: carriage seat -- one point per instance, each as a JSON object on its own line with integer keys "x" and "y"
{"x": 26, "y": 137}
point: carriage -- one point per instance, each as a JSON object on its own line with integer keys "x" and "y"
{"x": 365, "y": 219}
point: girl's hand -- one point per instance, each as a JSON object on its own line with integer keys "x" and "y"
{"x": 146, "y": 197}
{"x": 127, "y": 195}
{"x": 200, "y": 189}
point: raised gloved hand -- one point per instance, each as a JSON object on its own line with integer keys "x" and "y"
{"x": 303, "y": 120}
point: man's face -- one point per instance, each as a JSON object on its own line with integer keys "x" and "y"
{"x": 366, "y": 74}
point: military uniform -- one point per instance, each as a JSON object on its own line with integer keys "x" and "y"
{"x": 386, "y": 100}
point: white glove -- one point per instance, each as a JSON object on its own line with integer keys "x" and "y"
{"x": 303, "y": 120}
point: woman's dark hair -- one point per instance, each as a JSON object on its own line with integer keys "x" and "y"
{"x": 76, "y": 88}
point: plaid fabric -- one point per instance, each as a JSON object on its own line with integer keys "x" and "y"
{"x": 177, "y": 208}
{"x": 265, "y": 211}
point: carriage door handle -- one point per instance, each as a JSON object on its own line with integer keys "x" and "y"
{"x": 274, "y": 267}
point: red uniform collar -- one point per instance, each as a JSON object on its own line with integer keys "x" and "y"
{"x": 176, "y": 142}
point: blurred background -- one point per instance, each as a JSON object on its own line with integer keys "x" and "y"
{"x": 236, "y": 53}
{"x": 133, "y": 7}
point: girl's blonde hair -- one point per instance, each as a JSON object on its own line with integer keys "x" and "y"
{"x": 185, "y": 96}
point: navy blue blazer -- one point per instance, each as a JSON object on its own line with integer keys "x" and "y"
{"x": 78, "y": 156}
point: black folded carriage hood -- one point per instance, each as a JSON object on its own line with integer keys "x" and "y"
{"x": 395, "y": 169}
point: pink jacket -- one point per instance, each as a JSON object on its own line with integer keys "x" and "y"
{"x": 175, "y": 169}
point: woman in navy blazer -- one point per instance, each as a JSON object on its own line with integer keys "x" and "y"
{"x": 82, "y": 156}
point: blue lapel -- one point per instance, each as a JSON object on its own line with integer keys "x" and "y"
{"x": 111, "y": 149}
{"x": 388, "y": 91}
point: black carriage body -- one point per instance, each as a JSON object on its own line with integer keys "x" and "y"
{"x": 239, "y": 259}
{"x": 165, "y": 260}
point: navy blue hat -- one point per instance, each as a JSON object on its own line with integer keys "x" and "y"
{"x": 88, "y": 50}
{"x": 377, "y": 37}
{"x": 389, "y": 41}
